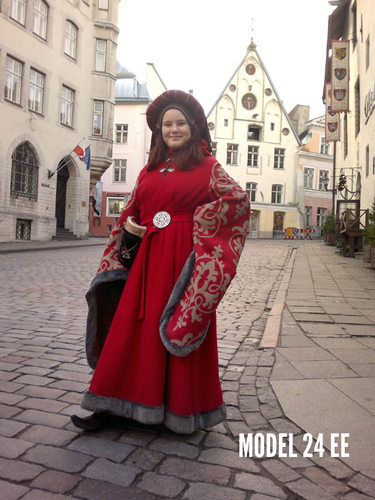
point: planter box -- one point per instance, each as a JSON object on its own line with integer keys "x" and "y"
{"x": 369, "y": 255}
{"x": 330, "y": 239}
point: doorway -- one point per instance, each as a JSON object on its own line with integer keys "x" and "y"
{"x": 62, "y": 179}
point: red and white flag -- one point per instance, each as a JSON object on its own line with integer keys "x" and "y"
{"x": 79, "y": 152}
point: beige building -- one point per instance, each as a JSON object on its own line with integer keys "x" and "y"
{"x": 132, "y": 139}
{"x": 255, "y": 141}
{"x": 315, "y": 166}
{"x": 57, "y": 83}
{"x": 354, "y": 20}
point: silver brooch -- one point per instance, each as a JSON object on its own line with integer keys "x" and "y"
{"x": 161, "y": 220}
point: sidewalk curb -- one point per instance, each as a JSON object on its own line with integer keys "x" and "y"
{"x": 272, "y": 329}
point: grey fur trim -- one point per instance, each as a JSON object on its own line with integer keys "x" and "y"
{"x": 188, "y": 424}
{"x": 93, "y": 333}
{"x": 174, "y": 299}
{"x": 149, "y": 415}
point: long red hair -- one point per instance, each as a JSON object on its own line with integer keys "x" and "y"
{"x": 183, "y": 158}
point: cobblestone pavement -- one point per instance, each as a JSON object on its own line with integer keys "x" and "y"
{"x": 43, "y": 374}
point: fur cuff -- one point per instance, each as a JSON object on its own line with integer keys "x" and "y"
{"x": 188, "y": 424}
{"x": 176, "y": 295}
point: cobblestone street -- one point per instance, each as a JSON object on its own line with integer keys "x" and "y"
{"x": 43, "y": 374}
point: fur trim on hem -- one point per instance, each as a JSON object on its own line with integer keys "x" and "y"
{"x": 174, "y": 299}
{"x": 150, "y": 415}
{"x": 182, "y": 424}
{"x": 109, "y": 286}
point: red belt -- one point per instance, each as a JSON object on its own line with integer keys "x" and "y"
{"x": 156, "y": 224}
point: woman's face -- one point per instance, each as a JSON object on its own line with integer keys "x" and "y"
{"x": 175, "y": 129}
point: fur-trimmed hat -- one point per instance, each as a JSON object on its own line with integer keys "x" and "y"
{"x": 186, "y": 103}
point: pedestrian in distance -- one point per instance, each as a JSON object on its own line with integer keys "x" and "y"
{"x": 151, "y": 327}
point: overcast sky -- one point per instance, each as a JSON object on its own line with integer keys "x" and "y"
{"x": 198, "y": 44}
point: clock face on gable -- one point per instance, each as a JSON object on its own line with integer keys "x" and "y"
{"x": 249, "y": 101}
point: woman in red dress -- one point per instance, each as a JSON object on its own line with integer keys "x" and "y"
{"x": 153, "y": 341}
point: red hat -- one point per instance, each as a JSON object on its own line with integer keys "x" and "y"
{"x": 182, "y": 101}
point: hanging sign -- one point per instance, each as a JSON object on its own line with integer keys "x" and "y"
{"x": 340, "y": 76}
{"x": 332, "y": 118}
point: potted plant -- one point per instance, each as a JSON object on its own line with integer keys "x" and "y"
{"x": 369, "y": 238}
{"x": 329, "y": 229}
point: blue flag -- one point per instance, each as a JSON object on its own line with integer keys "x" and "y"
{"x": 86, "y": 158}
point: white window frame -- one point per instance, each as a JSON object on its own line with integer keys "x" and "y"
{"x": 308, "y": 217}
{"x": 122, "y": 130}
{"x": 323, "y": 175}
{"x": 13, "y": 80}
{"x": 71, "y": 36}
{"x": 232, "y": 154}
{"x": 97, "y": 125}
{"x": 111, "y": 202}
{"x": 17, "y": 11}
{"x": 252, "y": 156}
{"x": 308, "y": 178}
{"x": 277, "y": 194}
{"x": 321, "y": 215}
{"x": 101, "y": 55}
{"x": 67, "y": 106}
{"x": 36, "y": 91}
{"x": 251, "y": 189}
{"x": 119, "y": 170}
{"x": 103, "y": 4}
{"x": 279, "y": 158}
{"x": 40, "y": 20}
{"x": 325, "y": 147}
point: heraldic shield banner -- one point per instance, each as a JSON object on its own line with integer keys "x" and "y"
{"x": 332, "y": 118}
{"x": 340, "y": 76}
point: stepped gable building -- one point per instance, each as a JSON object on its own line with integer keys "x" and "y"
{"x": 315, "y": 167}
{"x": 255, "y": 141}
{"x": 131, "y": 145}
{"x": 354, "y": 20}
{"x": 57, "y": 88}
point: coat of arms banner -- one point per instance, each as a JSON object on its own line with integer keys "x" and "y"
{"x": 332, "y": 118}
{"x": 340, "y": 76}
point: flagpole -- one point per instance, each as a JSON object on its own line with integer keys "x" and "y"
{"x": 50, "y": 173}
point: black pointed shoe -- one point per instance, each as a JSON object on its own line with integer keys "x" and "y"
{"x": 93, "y": 422}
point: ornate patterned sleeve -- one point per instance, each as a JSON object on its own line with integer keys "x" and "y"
{"x": 219, "y": 233}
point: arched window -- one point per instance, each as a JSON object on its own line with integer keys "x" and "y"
{"x": 71, "y": 33}
{"x": 40, "y": 19}
{"x": 25, "y": 170}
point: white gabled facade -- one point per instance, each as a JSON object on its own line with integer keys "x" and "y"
{"x": 256, "y": 143}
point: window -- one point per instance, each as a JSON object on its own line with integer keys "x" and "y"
{"x": 279, "y": 158}
{"x": 36, "y": 87}
{"x": 225, "y": 123}
{"x": 23, "y": 229}
{"x": 368, "y": 53}
{"x": 121, "y": 134}
{"x": 308, "y": 178}
{"x": 277, "y": 191}
{"x": 115, "y": 205}
{"x": 253, "y": 133}
{"x": 119, "y": 171}
{"x": 13, "y": 80}
{"x": 97, "y": 128}
{"x": 232, "y": 154}
{"x": 40, "y": 19}
{"x": 367, "y": 160}
{"x": 25, "y": 169}
{"x": 214, "y": 149}
{"x": 308, "y": 218}
{"x": 252, "y": 156}
{"x": 103, "y": 4}
{"x": 272, "y": 126}
{"x": 101, "y": 52}
{"x": 251, "y": 189}
{"x": 324, "y": 146}
{"x": 323, "y": 180}
{"x": 67, "y": 105}
{"x": 17, "y": 10}
{"x": 70, "y": 47}
{"x": 321, "y": 216}
{"x": 357, "y": 101}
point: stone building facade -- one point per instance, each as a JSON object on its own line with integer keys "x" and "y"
{"x": 57, "y": 82}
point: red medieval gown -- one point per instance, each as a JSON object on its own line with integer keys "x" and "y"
{"x": 175, "y": 284}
